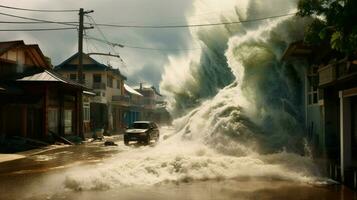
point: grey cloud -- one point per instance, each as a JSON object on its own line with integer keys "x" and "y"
{"x": 62, "y": 44}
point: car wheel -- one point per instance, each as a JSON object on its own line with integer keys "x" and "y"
{"x": 126, "y": 141}
{"x": 147, "y": 140}
{"x": 157, "y": 138}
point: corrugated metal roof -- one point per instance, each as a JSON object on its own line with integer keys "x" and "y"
{"x": 49, "y": 76}
{"x": 42, "y": 76}
{"x": 131, "y": 90}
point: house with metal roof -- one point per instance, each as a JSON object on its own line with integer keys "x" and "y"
{"x": 35, "y": 101}
{"x": 108, "y": 85}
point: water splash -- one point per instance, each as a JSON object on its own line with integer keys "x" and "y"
{"x": 240, "y": 110}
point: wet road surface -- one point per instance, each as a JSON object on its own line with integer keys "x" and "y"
{"x": 40, "y": 177}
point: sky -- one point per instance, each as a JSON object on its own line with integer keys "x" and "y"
{"x": 140, "y": 65}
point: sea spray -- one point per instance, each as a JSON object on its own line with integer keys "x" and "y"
{"x": 239, "y": 110}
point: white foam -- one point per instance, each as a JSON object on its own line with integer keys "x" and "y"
{"x": 217, "y": 139}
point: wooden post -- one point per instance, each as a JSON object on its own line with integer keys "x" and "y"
{"x": 45, "y": 112}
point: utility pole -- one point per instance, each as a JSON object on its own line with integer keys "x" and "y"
{"x": 80, "y": 43}
{"x": 80, "y": 46}
{"x": 80, "y": 68}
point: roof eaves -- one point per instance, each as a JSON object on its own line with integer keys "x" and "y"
{"x": 10, "y": 44}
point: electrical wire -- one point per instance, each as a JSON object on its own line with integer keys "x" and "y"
{"x": 193, "y": 25}
{"x": 137, "y": 47}
{"x": 106, "y": 40}
{"x": 73, "y": 23}
{"x": 102, "y": 34}
{"x": 35, "y": 10}
{"x": 37, "y": 20}
{"x": 37, "y": 29}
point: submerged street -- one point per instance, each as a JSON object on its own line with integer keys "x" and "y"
{"x": 43, "y": 176}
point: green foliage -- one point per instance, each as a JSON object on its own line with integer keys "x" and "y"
{"x": 334, "y": 21}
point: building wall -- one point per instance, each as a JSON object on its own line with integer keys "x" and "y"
{"x": 105, "y": 95}
{"x": 315, "y": 127}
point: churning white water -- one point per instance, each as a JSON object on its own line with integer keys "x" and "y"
{"x": 240, "y": 109}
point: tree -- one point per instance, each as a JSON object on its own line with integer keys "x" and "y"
{"x": 333, "y": 21}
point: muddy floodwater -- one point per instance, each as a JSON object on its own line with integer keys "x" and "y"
{"x": 209, "y": 190}
{"x": 43, "y": 177}
{"x": 220, "y": 190}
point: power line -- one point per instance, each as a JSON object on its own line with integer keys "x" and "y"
{"x": 37, "y": 29}
{"x": 36, "y": 10}
{"x": 139, "y": 26}
{"x": 137, "y": 47}
{"x": 103, "y": 35}
{"x": 193, "y": 25}
{"x": 37, "y": 20}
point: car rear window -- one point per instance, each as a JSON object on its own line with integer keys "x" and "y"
{"x": 140, "y": 125}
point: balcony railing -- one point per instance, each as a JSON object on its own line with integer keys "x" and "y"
{"x": 336, "y": 72}
{"x": 100, "y": 86}
{"x": 327, "y": 74}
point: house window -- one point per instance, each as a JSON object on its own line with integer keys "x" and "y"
{"x": 97, "y": 78}
{"x": 110, "y": 81}
{"x": 73, "y": 77}
{"x": 68, "y": 128}
{"x": 313, "y": 82}
{"x": 86, "y": 112}
{"x": 53, "y": 120}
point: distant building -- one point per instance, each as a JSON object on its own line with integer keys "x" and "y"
{"x": 154, "y": 105}
{"x": 108, "y": 85}
{"x": 134, "y": 109}
{"x": 331, "y": 106}
{"x": 35, "y": 102}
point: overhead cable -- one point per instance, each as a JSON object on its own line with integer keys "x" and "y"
{"x": 137, "y": 47}
{"x": 37, "y": 29}
{"x": 38, "y": 20}
{"x": 193, "y": 25}
{"x": 35, "y": 10}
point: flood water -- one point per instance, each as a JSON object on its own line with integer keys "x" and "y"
{"x": 43, "y": 176}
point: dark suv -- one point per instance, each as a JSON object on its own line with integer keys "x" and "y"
{"x": 142, "y": 131}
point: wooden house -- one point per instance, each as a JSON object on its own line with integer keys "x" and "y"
{"x": 35, "y": 101}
